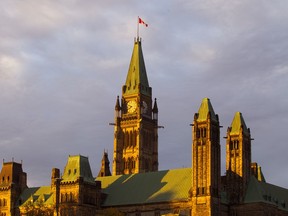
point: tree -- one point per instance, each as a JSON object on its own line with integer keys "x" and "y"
{"x": 37, "y": 209}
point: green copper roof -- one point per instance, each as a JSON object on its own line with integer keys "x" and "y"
{"x": 264, "y": 192}
{"x": 204, "y": 109}
{"x": 237, "y": 123}
{"x": 137, "y": 73}
{"x": 152, "y": 187}
{"x": 77, "y": 166}
{"x": 254, "y": 192}
{"x": 41, "y": 194}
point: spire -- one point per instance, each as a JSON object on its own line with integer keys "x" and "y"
{"x": 238, "y": 123}
{"x": 137, "y": 81}
{"x": 105, "y": 167}
{"x": 205, "y": 109}
{"x": 117, "y": 106}
{"x": 155, "y": 110}
{"x": 155, "y": 107}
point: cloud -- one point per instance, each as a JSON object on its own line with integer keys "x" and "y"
{"x": 63, "y": 64}
{"x": 9, "y": 67}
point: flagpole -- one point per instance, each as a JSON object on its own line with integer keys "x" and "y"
{"x": 138, "y": 28}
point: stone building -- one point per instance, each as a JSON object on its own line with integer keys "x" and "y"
{"x": 136, "y": 187}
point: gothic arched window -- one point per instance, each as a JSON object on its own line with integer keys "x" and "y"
{"x": 197, "y": 133}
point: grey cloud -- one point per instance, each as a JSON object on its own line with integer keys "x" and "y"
{"x": 72, "y": 59}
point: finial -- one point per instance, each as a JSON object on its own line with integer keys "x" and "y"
{"x": 117, "y": 106}
{"x": 155, "y": 107}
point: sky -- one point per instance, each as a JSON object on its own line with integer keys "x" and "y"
{"x": 63, "y": 63}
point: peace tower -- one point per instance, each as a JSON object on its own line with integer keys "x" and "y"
{"x": 136, "y": 121}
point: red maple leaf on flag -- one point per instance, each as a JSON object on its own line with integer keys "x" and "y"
{"x": 142, "y": 22}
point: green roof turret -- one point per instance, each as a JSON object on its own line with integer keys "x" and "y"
{"x": 77, "y": 166}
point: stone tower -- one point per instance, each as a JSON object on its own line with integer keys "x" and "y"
{"x": 136, "y": 121}
{"x": 206, "y": 162}
{"x": 13, "y": 181}
{"x": 79, "y": 192}
{"x": 238, "y": 159}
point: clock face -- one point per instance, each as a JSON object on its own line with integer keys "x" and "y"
{"x": 145, "y": 107}
{"x": 131, "y": 106}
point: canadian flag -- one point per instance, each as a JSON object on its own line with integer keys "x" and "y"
{"x": 142, "y": 22}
